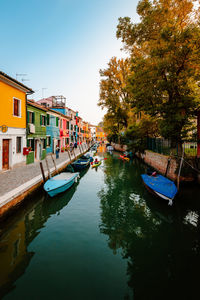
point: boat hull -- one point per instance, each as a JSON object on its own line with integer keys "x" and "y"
{"x": 60, "y": 183}
{"x": 160, "y": 187}
{"x": 61, "y": 189}
{"x": 96, "y": 165}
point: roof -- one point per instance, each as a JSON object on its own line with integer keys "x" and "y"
{"x": 33, "y": 103}
{"x": 29, "y": 90}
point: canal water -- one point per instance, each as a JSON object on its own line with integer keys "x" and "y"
{"x": 105, "y": 238}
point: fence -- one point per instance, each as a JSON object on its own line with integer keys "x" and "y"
{"x": 166, "y": 147}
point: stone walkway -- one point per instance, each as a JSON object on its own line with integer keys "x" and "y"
{"x": 18, "y": 176}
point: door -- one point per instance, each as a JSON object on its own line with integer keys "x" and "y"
{"x": 36, "y": 149}
{"x": 6, "y": 154}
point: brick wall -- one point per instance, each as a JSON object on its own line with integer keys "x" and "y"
{"x": 159, "y": 162}
{"x": 119, "y": 147}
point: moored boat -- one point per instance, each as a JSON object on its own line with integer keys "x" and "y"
{"x": 60, "y": 183}
{"x": 81, "y": 164}
{"x": 95, "y": 165}
{"x": 124, "y": 157}
{"x": 160, "y": 186}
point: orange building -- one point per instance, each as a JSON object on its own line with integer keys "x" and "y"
{"x": 100, "y": 134}
{"x": 12, "y": 121}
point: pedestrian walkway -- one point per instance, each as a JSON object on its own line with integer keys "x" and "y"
{"x": 18, "y": 180}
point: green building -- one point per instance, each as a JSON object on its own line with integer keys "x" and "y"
{"x": 36, "y": 131}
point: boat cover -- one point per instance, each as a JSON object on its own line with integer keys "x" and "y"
{"x": 59, "y": 180}
{"x": 161, "y": 185}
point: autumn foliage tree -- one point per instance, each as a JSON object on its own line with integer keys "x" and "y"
{"x": 165, "y": 61}
{"x": 114, "y": 95}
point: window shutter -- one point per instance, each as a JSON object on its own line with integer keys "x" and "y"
{"x": 27, "y": 116}
{"x": 45, "y": 143}
{"x": 33, "y": 120}
{"x": 33, "y": 144}
{"x": 47, "y": 119}
{"x": 40, "y": 119}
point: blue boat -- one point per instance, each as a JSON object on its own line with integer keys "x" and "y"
{"x": 81, "y": 164}
{"x": 60, "y": 183}
{"x": 160, "y": 186}
{"x": 87, "y": 156}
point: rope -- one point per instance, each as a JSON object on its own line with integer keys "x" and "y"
{"x": 186, "y": 163}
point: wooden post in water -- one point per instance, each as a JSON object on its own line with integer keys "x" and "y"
{"x": 79, "y": 149}
{"x": 69, "y": 155}
{"x": 42, "y": 171}
{"x": 179, "y": 171}
{"x": 54, "y": 163}
{"x": 74, "y": 153}
{"x": 49, "y": 174}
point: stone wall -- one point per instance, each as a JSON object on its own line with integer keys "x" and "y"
{"x": 159, "y": 162}
{"x": 119, "y": 147}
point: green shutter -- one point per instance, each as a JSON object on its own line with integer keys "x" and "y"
{"x": 33, "y": 118}
{"x": 40, "y": 119}
{"x": 47, "y": 119}
{"x": 57, "y": 121}
{"x": 27, "y": 116}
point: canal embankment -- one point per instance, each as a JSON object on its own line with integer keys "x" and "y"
{"x": 18, "y": 183}
{"x": 168, "y": 165}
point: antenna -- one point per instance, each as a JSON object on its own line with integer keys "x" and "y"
{"x": 17, "y": 74}
{"x": 43, "y": 92}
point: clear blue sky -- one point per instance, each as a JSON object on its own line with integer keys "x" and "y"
{"x": 61, "y": 45}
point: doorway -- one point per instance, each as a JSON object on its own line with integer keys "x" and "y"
{"x": 5, "y": 157}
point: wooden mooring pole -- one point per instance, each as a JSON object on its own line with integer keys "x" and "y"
{"x": 179, "y": 171}
{"x": 42, "y": 171}
{"x": 69, "y": 156}
{"x": 49, "y": 173}
{"x": 54, "y": 163}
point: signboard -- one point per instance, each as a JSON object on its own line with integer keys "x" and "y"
{"x": 4, "y": 128}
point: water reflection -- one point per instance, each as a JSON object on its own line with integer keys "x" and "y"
{"x": 19, "y": 232}
{"x": 161, "y": 249}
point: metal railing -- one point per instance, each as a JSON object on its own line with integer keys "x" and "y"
{"x": 163, "y": 146}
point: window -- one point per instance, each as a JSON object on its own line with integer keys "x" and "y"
{"x": 66, "y": 141}
{"x": 31, "y": 144}
{"x": 16, "y": 107}
{"x": 57, "y": 121}
{"x": 42, "y": 120}
{"x": 19, "y": 144}
{"x": 48, "y": 141}
{"x": 67, "y": 125}
{"x": 31, "y": 117}
{"x": 71, "y": 127}
{"x": 48, "y": 119}
{"x": 43, "y": 143}
{"x": 61, "y": 123}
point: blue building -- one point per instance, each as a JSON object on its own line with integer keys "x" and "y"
{"x": 52, "y": 131}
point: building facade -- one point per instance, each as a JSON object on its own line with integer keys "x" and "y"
{"x": 12, "y": 121}
{"x": 36, "y": 126}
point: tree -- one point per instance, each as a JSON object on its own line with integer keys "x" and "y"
{"x": 165, "y": 52}
{"x": 113, "y": 94}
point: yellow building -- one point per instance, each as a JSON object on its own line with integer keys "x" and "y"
{"x": 100, "y": 134}
{"x": 12, "y": 121}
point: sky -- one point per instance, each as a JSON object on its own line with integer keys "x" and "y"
{"x": 61, "y": 45}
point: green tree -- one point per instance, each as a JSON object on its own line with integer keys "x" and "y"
{"x": 165, "y": 51}
{"x": 114, "y": 96}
